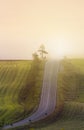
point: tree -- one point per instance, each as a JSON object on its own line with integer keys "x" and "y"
{"x": 35, "y": 57}
{"x": 42, "y": 51}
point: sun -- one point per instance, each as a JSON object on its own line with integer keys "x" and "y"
{"x": 58, "y": 49}
{"x": 61, "y": 51}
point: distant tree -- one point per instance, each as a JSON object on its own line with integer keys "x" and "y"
{"x": 42, "y": 51}
{"x": 35, "y": 56}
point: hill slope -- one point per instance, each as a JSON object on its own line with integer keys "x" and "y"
{"x": 13, "y": 77}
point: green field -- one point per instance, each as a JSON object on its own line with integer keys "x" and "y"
{"x": 71, "y": 92}
{"x": 16, "y": 75}
{"x": 71, "y": 85}
{"x": 13, "y": 77}
{"x": 11, "y": 81}
{"x": 79, "y": 64}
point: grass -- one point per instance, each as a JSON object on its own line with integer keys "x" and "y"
{"x": 70, "y": 95}
{"x": 79, "y": 64}
{"x": 70, "y": 92}
{"x": 13, "y": 77}
{"x": 16, "y": 78}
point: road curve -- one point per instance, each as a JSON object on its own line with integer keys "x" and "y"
{"x": 48, "y": 97}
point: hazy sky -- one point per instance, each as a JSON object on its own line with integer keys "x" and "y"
{"x": 25, "y": 24}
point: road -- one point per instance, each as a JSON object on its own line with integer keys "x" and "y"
{"x": 48, "y": 96}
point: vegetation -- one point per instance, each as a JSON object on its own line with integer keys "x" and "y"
{"x": 42, "y": 51}
{"x": 11, "y": 82}
{"x": 79, "y": 64}
{"x": 16, "y": 102}
{"x": 71, "y": 116}
{"x": 20, "y": 88}
{"x": 68, "y": 82}
{"x": 30, "y": 93}
{"x": 15, "y": 76}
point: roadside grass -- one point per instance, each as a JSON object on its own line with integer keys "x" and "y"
{"x": 69, "y": 114}
{"x": 71, "y": 94}
{"x": 71, "y": 118}
{"x": 79, "y": 64}
{"x": 19, "y": 79}
{"x": 70, "y": 100}
{"x": 13, "y": 77}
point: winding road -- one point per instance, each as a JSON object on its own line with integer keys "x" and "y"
{"x": 48, "y": 97}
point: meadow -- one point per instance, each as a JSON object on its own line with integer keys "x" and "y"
{"x": 70, "y": 95}
{"x": 15, "y": 76}
{"x": 71, "y": 92}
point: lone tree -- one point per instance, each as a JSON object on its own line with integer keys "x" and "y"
{"x": 42, "y": 51}
{"x": 35, "y": 56}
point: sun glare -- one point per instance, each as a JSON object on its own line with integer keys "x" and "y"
{"x": 59, "y": 49}
{"x": 58, "y": 52}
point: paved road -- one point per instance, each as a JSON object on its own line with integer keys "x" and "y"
{"x": 48, "y": 97}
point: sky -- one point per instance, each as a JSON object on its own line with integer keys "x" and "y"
{"x": 26, "y": 24}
